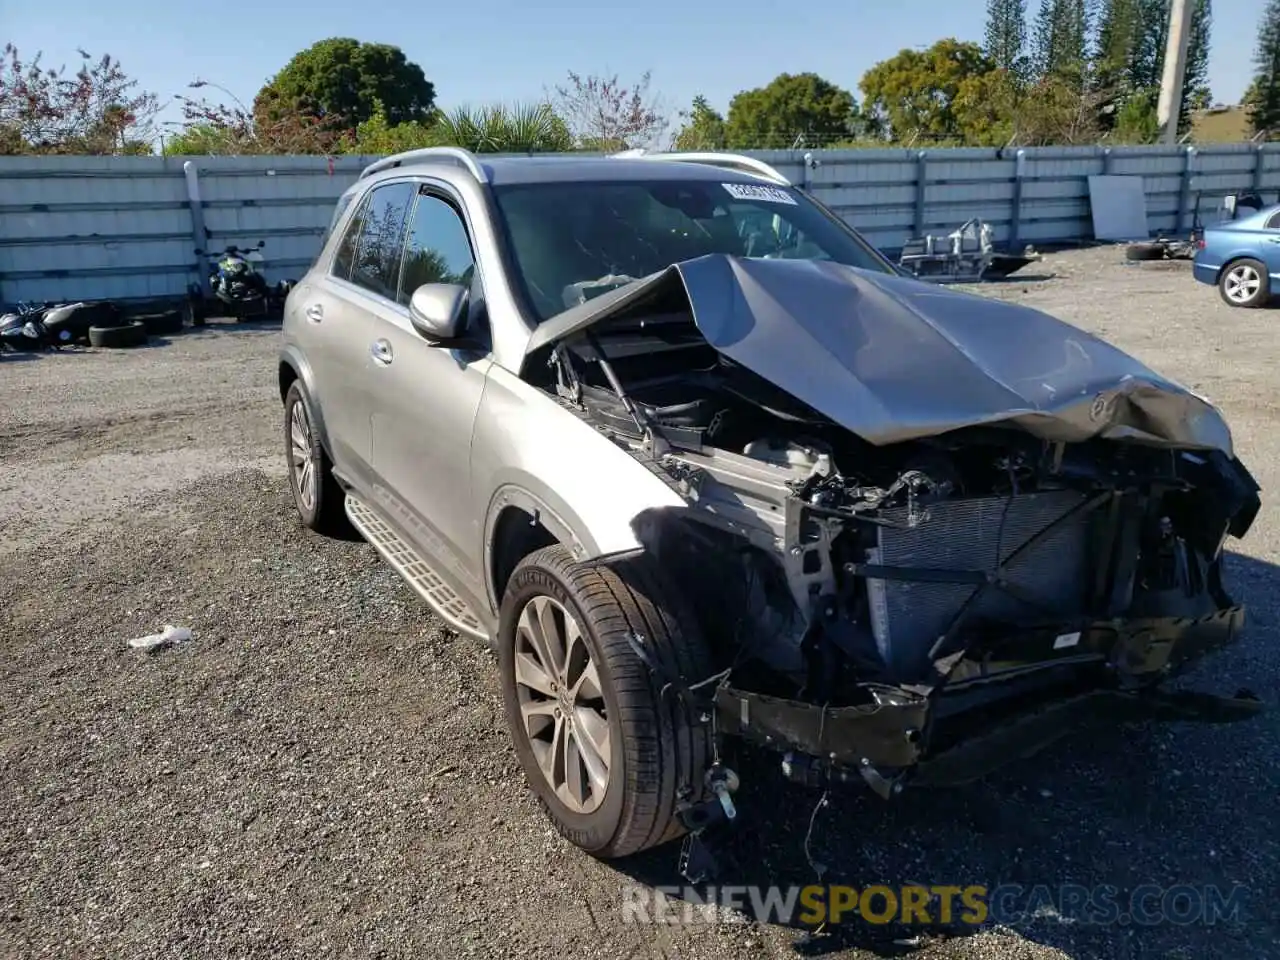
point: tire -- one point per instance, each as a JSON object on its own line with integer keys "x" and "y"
{"x": 133, "y": 334}
{"x": 321, "y": 506}
{"x": 658, "y": 749}
{"x": 161, "y": 324}
{"x": 1244, "y": 283}
{"x": 1144, "y": 251}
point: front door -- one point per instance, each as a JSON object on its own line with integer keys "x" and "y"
{"x": 427, "y": 397}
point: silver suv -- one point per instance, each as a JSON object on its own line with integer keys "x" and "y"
{"x": 703, "y": 467}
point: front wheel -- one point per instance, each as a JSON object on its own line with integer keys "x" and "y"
{"x": 1245, "y": 283}
{"x": 606, "y": 751}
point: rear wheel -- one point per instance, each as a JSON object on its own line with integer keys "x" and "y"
{"x": 1245, "y": 283}
{"x": 319, "y": 498}
{"x": 605, "y": 751}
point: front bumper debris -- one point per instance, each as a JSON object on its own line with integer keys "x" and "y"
{"x": 903, "y": 732}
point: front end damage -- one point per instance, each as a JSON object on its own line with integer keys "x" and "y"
{"x": 925, "y": 533}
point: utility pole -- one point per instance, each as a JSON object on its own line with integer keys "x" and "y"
{"x": 1175, "y": 69}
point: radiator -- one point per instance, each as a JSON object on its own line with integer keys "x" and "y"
{"x": 908, "y": 618}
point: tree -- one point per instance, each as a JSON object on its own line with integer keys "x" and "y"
{"x": 605, "y": 114}
{"x": 523, "y": 128}
{"x": 234, "y": 130}
{"x": 338, "y": 81}
{"x": 1117, "y": 36}
{"x": 1132, "y": 36}
{"x": 1061, "y": 41}
{"x": 1195, "y": 89}
{"x": 1006, "y": 36}
{"x": 96, "y": 110}
{"x": 986, "y": 108}
{"x": 791, "y": 106}
{"x": 1264, "y": 96}
{"x": 703, "y": 128}
{"x": 914, "y": 92}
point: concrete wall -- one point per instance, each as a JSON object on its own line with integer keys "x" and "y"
{"x": 123, "y": 227}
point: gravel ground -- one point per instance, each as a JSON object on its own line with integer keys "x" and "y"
{"x": 293, "y": 782}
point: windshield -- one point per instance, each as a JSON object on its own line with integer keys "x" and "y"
{"x": 573, "y": 241}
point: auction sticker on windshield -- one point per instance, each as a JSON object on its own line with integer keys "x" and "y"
{"x": 751, "y": 191}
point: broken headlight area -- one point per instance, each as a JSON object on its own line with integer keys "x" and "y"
{"x": 876, "y": 607}
{"x": 990, "y": 596}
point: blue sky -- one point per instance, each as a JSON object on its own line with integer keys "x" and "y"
{"x": 513, "y": 49}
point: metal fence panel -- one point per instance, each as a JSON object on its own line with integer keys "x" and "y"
{"x": 125, "y": 228}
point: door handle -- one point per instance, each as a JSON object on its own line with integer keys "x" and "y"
{"x": 315, "y": 313}
{"x": 380, "y": 350}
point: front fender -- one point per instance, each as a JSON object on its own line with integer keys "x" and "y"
{"x": 529, "y": 451}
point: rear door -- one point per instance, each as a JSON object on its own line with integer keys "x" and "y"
{"x": 340, "y": 313}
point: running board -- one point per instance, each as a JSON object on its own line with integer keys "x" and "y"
{"x": 407, "y": 562}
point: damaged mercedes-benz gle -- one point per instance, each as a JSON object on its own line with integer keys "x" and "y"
{"x": 700, "y": 464}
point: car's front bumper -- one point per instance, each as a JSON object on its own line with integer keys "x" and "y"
{"x": 982, "y": 719}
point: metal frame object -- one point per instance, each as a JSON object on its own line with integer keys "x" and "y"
{"x": 456, "y": 155}
{"x": 964, "y": 254}
{"x": 729, "y": 161}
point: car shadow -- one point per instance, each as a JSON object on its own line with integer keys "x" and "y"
{"x": 1171, "y": 805}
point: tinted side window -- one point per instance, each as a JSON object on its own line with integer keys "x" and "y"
{"x": 344, "y": 201}
{"x": 377, "y": 265}
{"x": 345, "y": 256}
{"x": 1273, "y": 222}
{"x": 438, "y": 250}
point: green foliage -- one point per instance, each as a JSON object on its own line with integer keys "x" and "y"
{"x": 1061, "y": 42}
{"x": 338, "y": 81}
{"x": 200, "y": 139}
{"x": 914, "y": 92}
{"x": 791, "y": 105}
{"x": 1006, "y": 36}
{"x": 522, "y": 128}
{"x": 703, "y": 128}
{"x": 1137, "y": 120}
{"x": 1263, "y": 98}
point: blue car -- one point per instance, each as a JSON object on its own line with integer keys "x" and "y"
{"x": 1242, "y": 257}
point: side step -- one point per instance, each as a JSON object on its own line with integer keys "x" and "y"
{"x": 406, "y": 561}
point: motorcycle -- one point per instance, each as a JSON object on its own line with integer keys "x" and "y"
{"x": 236, "y": 281}
{"x": 24, "y": 329}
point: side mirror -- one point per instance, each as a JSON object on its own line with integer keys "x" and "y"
{"x": 437, "y": 310}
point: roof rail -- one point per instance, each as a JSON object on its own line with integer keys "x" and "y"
{"x": 463, "y": 158}
{"x": 730, "y": 161}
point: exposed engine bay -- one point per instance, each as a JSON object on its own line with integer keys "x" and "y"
{"x": 858, "y": 593}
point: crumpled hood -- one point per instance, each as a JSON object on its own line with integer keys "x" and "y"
{"x": 893, "y": 359}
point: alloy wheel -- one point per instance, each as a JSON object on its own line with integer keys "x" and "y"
{"x": 1241, "y": 283}
{"x": 562, "y": 707}
{"x": 302, "y": 463}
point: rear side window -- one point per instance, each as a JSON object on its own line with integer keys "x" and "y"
{"x": 344, "y": 201}
{"x": 377, "y": 263}
{"x": 345, "y": 256}
{"x": 1273, "y": 222}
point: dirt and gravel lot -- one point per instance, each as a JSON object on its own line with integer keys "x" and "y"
{"x": 324, "y": 770}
